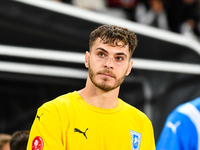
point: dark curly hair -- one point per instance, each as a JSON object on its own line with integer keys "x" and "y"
{"x": 113, "y": 35}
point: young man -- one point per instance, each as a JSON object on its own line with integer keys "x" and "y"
{"x": 94, "y": 118}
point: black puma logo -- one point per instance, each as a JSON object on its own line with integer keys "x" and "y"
{"x": 84, "y": 133}
{"x": 39, "y": 116}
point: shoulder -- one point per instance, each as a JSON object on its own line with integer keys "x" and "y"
{"x": 189, "y": 108}
{"x": 187, "y": 113}
{"x": 196, "y": 103}
{"x": 60, "y": 101}
{"x": 135, "y": 112}
{"x": 131, "y": 108}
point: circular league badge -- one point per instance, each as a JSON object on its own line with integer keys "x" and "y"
{"x": 37, "y": 143}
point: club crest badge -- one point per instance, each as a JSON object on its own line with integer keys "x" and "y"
{"x": 135, "y": 140}
{"x": 37, "y": 143}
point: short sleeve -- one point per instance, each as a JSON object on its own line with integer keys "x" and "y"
{"x": 46, "y": 131}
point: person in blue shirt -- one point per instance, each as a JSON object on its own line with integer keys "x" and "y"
{"x": 181, "y": 130}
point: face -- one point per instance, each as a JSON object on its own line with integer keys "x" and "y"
{"x": 108, "y": 65}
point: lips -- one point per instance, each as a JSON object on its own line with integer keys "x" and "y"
{"x": 106, "y": 74}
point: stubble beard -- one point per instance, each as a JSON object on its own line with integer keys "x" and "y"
{"x": 103, "y": 85}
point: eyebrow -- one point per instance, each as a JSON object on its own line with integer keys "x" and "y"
{"x": 100, "y": 48}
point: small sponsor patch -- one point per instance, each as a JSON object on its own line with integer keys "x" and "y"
{"x": 135, "y": 140}
{"x": 37, "y": 143}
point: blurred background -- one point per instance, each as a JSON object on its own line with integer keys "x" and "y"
{"x": 43, "y": 43}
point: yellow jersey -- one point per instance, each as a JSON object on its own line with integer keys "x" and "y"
{"x": 69, "y": 123}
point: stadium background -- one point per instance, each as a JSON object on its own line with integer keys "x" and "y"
{"x": 29, "y": 77}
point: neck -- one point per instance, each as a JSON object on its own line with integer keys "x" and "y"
{"x": 99, "y": 98}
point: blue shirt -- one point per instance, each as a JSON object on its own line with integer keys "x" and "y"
{"x": 182, "y": 128}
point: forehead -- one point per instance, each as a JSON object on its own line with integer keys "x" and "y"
{"x": 110, "y": 46}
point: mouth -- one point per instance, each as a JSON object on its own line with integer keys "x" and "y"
{"x": 106, "y": 75}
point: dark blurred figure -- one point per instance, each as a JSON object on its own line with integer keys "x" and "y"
{"x": 19, "y": 140}
{"x": 116, "y": 8}
{"x": 183, "y": 16}
{"x": 152, "y": 13}
{"x": 5, "y": 141}
{"x": 127, "y": 6}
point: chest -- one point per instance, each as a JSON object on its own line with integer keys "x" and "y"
{"x": 101, "y": 131}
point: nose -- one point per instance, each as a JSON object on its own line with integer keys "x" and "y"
{"x": 109, "y": 63}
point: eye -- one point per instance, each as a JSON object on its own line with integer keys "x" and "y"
{"x": 119, "y": 58}
{"x": 100, "y": 54}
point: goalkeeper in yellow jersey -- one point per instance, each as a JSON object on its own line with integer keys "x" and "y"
{"x": 94, "y": 118}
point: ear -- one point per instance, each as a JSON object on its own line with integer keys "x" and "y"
{"x": 129, "y": 67}
{"x": 87, "y": 55}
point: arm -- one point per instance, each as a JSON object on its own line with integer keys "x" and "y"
{"x": 47, "y": 131}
